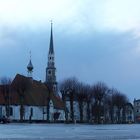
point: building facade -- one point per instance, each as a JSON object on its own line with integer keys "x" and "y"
{"x": 137, "y": 110}
{"x": 128, "y": 112}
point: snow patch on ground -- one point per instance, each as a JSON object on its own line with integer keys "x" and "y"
{"x": 69, "y": 132}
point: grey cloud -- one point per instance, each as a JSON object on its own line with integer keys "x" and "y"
{"x": 97, "y": 56}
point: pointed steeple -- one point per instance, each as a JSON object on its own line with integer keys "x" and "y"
{"x": 51, "y": 49}
{"x": 51, "y": 70}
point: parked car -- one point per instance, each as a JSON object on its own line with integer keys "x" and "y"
{"x": 4, "y": 119}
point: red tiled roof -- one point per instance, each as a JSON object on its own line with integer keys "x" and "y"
{"x": 36, "y": 93}
{"x": 2, "y": 100}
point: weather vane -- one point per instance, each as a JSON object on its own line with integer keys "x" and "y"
{"x": 30, "y": 54}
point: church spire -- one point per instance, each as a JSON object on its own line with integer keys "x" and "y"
{"x": 51, "y": 70}
{"x": 51, "y": 49}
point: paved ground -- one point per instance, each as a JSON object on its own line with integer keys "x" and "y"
{"x": 69, "y": 132}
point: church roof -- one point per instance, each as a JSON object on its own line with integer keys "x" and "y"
{"x": 2, "y": 100}
{"x": 35, "y": 93}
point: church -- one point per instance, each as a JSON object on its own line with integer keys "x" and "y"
{"x": 26, "y": 99}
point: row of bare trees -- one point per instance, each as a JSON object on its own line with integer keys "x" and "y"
{"x": 96, "y": 102}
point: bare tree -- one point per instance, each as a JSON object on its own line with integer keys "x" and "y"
{"x": 68, "y": 91}
{"x": 119, "y": 100}
{"x": 108, "y": 106}
{"x": 64, "y": 96}
{"x": 82, "y": 97}
{"x": 100, "y": 100}
{"x": 89, "y": 100}
{"x": 5, "y": 89}
{"x": 99, "y": 91}
{"x": 50, "y": 91}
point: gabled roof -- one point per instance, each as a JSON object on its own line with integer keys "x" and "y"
{"x": 2, "y": 100}
{"x": 35, "y": 93}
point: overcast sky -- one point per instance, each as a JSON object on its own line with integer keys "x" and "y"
{"x": 94, "y": 40}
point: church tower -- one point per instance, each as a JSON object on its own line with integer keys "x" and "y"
{"x": 30, "y": 67}
{"x": 51, "y": 70}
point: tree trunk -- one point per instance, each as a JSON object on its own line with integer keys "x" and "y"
{"x": 21, "y": 112}
{"x": 65, "y": 107}
{"x": 71, "y": 107}
{"x": 48, "y": 110}
{"x": 112, "y": 115}
{"x": 88, "y": 112}
{"x": 118, "y": 115}
{"x": 81, "y": 111}
{"x": 99, "y": 113}
{"x": 124, "y": 115}
{"x": 7, "y": 111}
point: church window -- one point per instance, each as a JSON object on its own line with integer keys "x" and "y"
{"x": 50, "y": 58}
{"x": 0, "y": 111}
{"x": 49, "y": 72}
{"x": 11, "y": 111}
{"x": 53, "y": 63}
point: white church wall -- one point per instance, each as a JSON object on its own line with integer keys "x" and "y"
{"x": 16, "y": 112}
{"x": 38, "y": 112}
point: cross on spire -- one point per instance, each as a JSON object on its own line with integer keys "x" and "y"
{"x": 30, "y": 54}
